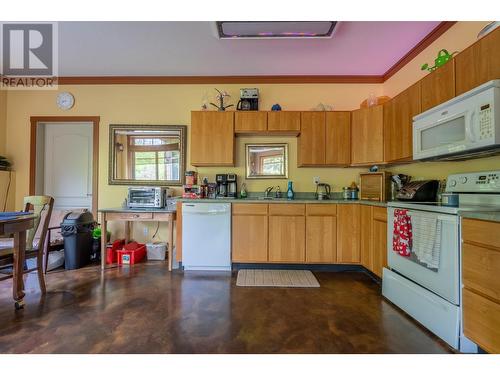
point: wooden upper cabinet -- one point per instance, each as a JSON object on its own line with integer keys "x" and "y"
{"x": 283, "y": 121}
{"x": 311, "y": 142}
{"x": 212, "y": 138}
{"x": 438, "y": 87}
{"x": 367, "y": 136}
{"x": 478, "y": 63}
{"x": 398, "y": 124}
{"x": 338, "y": 138}
{"x": 348, "y": 233}
{"x": 250, "y": 122}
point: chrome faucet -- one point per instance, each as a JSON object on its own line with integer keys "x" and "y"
{"x": 268, "y": 190}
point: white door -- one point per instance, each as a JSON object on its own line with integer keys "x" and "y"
{"x": 68, "y": 164}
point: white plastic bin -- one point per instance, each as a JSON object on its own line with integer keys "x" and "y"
{"x": 156, "y": 251}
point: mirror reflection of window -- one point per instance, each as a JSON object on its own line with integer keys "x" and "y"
{"x": 267, "y": 161}
{"x": 147, "y": 154}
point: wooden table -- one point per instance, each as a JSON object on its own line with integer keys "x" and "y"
{"x": 131, "y": 215}
{"x": 18, "y": 227}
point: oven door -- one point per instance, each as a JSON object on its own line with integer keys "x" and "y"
{"x": 443, "y": 281}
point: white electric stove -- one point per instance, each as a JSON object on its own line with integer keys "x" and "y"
{"x": 433, "y": 295}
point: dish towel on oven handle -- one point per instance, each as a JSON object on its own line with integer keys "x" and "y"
{"x": 402, "y": 233}
{"x": 426, "y": 238}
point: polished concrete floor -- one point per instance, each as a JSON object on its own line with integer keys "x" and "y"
{"x": 146, "y": 309}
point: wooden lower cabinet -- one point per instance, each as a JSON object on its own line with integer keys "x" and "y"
{"x": 287, "y": 239}
{"x": 481, "y": 295}
{"x": 348, "y": 233}
{"x": 249, "y": 239}
{"x": 321, "y": 239}
{"x": 366, "y": 232}
{"x": 481, "y": 320}
{"x": 379, "y": 243}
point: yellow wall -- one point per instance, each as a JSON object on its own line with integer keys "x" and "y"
{"x": 171, "y": 104}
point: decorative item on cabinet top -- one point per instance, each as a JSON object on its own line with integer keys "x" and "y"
{"x": 442, "y": 58}
{"x": 220, "y": 97}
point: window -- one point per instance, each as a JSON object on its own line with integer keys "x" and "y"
{"x": 154, "y": 158}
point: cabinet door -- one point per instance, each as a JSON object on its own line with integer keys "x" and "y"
{"x": 311, "y": 142}
{"x": 398, "y": 124}
{"x": 338, "y": 138}
{"x": 379, "y": 240}
{"x": 250, "y": 122}
{"x": 249, "y": 238}
{"x": 366, "y": 240}
{"x": 367, "y": 135}
{"x": 283, "y": 121}
{"x": 287, "y": 239}
{"x": 212, "y": 138}
{"x": 479, "y": 63}
{"x": 348, "y": 233}
{"x": 321, "y": 239}
{"x": 438, "y": 86}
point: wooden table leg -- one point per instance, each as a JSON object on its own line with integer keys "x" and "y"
{"x": 170, "y": 242}
{"x": 18, "y": 271}
{"x": 127, "y": 232}
{"x": 104, "y": 240}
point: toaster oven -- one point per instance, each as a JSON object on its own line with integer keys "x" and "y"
{"x": 147, "y": 197}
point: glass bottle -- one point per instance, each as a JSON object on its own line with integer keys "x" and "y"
{"x": 290, "y": 194}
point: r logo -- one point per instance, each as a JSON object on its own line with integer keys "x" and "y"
{"x": 28, "y": 49}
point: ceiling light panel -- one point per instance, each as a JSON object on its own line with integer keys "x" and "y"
{"x": 275, "y": 29}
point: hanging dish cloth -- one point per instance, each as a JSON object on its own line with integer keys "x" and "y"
{"x": 426, "y": 239}
{"x": 402, "y": 234}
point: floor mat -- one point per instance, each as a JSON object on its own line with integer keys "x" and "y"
{"x": 277, "y": 278}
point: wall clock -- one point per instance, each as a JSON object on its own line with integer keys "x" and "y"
{"x": 65, "y": 100}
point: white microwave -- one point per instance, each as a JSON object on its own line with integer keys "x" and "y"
{"x": 464, "y": 127}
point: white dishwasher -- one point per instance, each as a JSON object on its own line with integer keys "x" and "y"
{"x": 206, "y": 236}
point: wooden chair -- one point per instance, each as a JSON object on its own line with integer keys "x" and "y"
{"x": 41, "y": 206}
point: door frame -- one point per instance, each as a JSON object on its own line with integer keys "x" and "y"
{"x": 95, "y": 120}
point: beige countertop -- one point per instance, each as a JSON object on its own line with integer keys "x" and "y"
{"x": 284, "y": 200}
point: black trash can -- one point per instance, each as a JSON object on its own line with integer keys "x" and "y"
{"x": 76, "y": 228}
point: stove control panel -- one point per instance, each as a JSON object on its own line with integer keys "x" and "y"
{"x": 477, "y": 182}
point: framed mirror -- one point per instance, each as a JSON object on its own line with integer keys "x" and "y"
{"x": 267, "y": 160}
{"x": 147, "y": 155}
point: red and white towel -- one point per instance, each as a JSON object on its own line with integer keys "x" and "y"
{"x": 402, "y": 234}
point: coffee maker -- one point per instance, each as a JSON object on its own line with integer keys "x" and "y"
{"x": 249, "y": 100}
{"x": 226, "y": 185}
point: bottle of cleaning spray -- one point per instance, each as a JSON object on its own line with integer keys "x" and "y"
{"x": 290, "y": 194}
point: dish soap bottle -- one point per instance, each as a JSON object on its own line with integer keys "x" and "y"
{"x": 290, "y": 194}
{"x": 243, "y": 191}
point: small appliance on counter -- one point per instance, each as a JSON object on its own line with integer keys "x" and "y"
{"x": 191, "y": 177}
{"x": 249, "y": 100}
{"x": 419, "y": 191}
{"x": 323, "y": 191}
{"x": 375, "y": 186}
{"x": 226, "y": 185}
{"x": 350, "y": 192}
{"x": 397, "y": 182}
{"x": 147, "y": 197}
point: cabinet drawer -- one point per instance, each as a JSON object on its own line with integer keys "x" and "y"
{"x": 480, "y": 268}
{"x": 163, "y": 216}
{"x": 481, "y": 321}
{"x": 480, "y": 231}
{"x": 321, "y": 209}
{"x": 283, "y": 209}
{"x": 129, "y": 216}
{"x": 380, "y": 213}
{"x": 249, "y": 209}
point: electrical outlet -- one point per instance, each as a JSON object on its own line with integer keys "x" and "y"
{"x": 316, "y": 180}
{"x": 145, "y": 231}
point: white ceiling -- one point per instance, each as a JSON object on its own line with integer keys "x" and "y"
{"x": 191, "y": 49}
